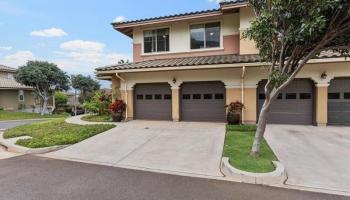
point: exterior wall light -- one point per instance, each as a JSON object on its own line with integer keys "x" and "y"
{"x": 323, "y": 75}
{"x": 174, "y": 80}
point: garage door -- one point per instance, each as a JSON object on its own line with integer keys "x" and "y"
{"x": 293, "y": 106}
{"x": 153, "y": 101}
{"x": 203, "y": 101}
{"x": 339, "y": 101}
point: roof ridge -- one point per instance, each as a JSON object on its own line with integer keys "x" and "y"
{"x": 167, "y": 16}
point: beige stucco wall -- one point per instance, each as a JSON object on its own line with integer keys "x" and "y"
{"x": 231, "y": 77}
{"x": 9, "y": 99}
{"x": 180, "y": 32}
{"x": 115, "y": 87}
{"x": 321, "y": 105}
{"x": 233, "y": 95}
{"x": 175, "y": 96}
{"x": 250, "y": 106}
{"x": 246, "y": 15}
{"x": 128, "y": 98}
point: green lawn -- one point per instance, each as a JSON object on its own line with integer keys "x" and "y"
{"x": 54, "y": 132}
{"x": 238, "y": 142}
{"x": 9, "y": 115}
{"x": 97, "y": 118}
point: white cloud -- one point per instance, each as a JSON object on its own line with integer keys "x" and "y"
{"x": 119, "y": 19}
{"x": 17, "y": 59}
{"x": 52, "y": 32}
{"x": 216, "y": 1}
{"x": 80, "y": 45}
{"x": 79, "y": 56}
{"x": 6, "y": 48}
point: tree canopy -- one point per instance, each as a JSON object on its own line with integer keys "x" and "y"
{"x": 288, "y": 33}
{"x": 44, "y": 77}
{"x": 86, "y": 85}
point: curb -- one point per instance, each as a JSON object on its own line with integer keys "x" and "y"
{"x": 277, "y": 177}
{"x": 24, "y": 150}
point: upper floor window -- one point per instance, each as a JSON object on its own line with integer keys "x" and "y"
{"x": 156, "y": 40}
{"x": 205, "y": 35}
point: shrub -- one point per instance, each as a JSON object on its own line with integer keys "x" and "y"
{"x": 99, "y": 103}
{"x": 234, "y": 112}
{"x": 60, "y": 99}
{"x": 117, "y": 109}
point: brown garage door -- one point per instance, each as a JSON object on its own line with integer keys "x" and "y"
{"x": 153, "y": 101}
{"x": 293, "y": 106}
{"x": 339, "y": 102}
{"x": 203, "y": 101}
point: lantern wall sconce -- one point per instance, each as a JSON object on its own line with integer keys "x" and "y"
{"x": 323, "y": 75}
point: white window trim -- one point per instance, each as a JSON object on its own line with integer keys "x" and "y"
{"x": 210, "y": 48}
{"x": 143, "y": 41}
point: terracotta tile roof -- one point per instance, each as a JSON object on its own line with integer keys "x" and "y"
{"x": 166, "y": 17}
{"x": 232, "y": 2}
{"x": 4, "y": 68}
{"x": 7, "y": 83}
{"x": 200, "y": 60}
{"x": 186, "y": 61}
{"x": 181, "y": 14}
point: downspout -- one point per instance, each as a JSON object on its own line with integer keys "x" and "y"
{"x": 242, "y": 91}
{"x": 126, "y": 94}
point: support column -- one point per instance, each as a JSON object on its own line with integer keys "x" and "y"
{"x": 232, "y": 94}
{"x": 128, "y": 98}
{"x": 115, "y": 87}
{"x": 175, "y": 98}
{"x": 250, "y": 103}
{"x": 322, "y": 104}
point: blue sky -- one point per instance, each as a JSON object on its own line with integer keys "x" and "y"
{"x": 76, "y": 34}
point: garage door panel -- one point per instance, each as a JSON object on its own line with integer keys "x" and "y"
{"x": 153, "y": 101}
{"x": 339, "y": 102}
{"x": 295, "y": 105}
{"x": 203, "y": 101}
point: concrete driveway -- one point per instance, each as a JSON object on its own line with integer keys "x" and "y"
{"x": 316, "y": 157}
{"x": 180, "y": 147}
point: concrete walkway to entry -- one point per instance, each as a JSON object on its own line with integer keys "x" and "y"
{"x": 180, "y": 147}
{"x": 315, "y": 157}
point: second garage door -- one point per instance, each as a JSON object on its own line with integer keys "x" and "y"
{"x": 153, "y": 101}
{"x": 293, "y": 106}
{"x": 339, "y": 102}
{"x": 203, "y": 101}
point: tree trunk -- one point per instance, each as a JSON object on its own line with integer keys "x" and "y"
{"x": 43, "y": 111}
{"x": 255, "y": 151}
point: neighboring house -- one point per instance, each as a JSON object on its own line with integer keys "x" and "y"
{"x": 189, "y": 66}
{"x": 13, "y": 95}
{"x": 72, "y": 98}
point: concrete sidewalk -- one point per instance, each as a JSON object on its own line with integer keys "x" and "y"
{"x": 184, "y": 147}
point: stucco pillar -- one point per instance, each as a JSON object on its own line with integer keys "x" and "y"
{"x": 232, "y": 94}
{"x": 250, "y": 104}
{"x": 115, "y": 87}
{"x": 128, "y": 97}
{"x": 321, "y": 104}
{"x": 175, "y": 98}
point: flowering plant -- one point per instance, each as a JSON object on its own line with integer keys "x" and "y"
{"x": 118, "y": 106}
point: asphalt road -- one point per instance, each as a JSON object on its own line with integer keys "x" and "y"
{"x": 11, "y": 124}
{"x": 30, "y": 177}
